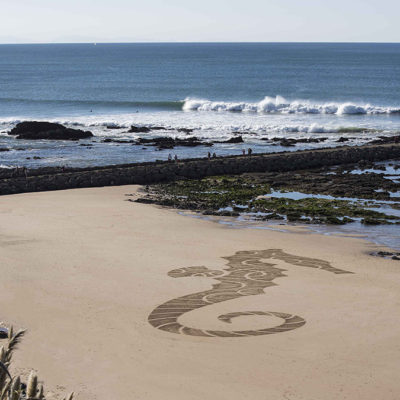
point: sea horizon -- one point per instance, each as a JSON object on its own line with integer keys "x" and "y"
{"x": 200, "y": 42}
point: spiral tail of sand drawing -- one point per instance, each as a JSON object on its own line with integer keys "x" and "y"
{"x": 172, "y": 325}
{"x": 246, "y": 275}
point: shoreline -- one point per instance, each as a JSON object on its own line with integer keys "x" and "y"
{"x": 83, "y": 269}
{"x": 384, "y": 250}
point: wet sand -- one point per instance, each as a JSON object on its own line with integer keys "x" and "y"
{"x": 83, "y": 269}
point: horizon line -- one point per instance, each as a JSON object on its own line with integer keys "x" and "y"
{"x": 201, "y": 42}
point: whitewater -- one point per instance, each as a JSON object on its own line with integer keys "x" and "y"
{"x": 279, "y": 104}
{"x": 219, "y": 120}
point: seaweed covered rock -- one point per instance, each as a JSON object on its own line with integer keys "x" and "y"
{"x": 47, "y": 130}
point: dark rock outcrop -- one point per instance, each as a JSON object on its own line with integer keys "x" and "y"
{"x": 386, "y": 254}
{"x": 111, "y": 127}
{"x": 109, "y": 140}
{"x": 162, "y": 142}
{"x": 386, "y": 139}
{"x": 291, "y": 142}
{"x": 235, "y": 139}
{"x": 47, "y": 130}
{"x": 185, "y": 130}
{"x": 165, "y": 142}
{"x": 139, "y": 129}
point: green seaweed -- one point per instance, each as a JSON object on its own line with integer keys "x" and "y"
{"x": 213, "y": 192}
{"x": 320, "y": 210}
{"x": 354, "y": 129}
{"x": 232, "y": 195}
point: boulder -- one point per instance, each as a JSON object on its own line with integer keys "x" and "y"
{"x": 185, "y": 130}
{"x": 47, "y": 130}
{"x": 139, "y": 129}
{"x": 235, "y": 139}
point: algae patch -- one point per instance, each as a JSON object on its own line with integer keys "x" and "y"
{"x": 241, "y": 195}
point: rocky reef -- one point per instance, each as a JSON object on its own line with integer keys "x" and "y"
{"x": 47, "y": 130}
{"x": 253, "y": 195}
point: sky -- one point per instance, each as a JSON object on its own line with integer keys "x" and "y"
{"x": 58, "y": 21}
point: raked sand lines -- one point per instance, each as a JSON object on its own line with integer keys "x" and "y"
{"x": 246, "y": 275}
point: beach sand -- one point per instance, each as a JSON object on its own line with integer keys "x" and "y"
{"x": 82, "y": 270}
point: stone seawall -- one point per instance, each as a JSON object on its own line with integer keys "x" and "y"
{"x": 45, "y": 179}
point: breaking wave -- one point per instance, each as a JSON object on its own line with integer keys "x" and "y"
{"x": 282, "y": 106}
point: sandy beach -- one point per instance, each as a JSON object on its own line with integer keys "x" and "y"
{"x": 82, "y": 270}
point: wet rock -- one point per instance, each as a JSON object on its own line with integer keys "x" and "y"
{"x": 386, "y": 140}
{"x": 311, "y": 140}
{"x": 147, "y": 129}
{"x": 387, "y": 254}
{"x": 185, "y": 130}
{"x": 287, "y": 143}
{"x": 371, "y": 221}
{"x": 139, "y": 129}
{"x": 110, "y": 127}
{"x": 108, "y": 140}
{"x": 35, "y": 130}
{"x": 229, "y": 214}
{"x": 143, "y": 200}
{"x": 293, "y": 216}
{"x": 164, "y": 142}
{"x": 290, "y": 142}
{"x": 334, "y": 221}
{"x": 235, "y": 139}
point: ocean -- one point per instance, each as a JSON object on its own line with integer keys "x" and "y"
{"x": 258, "y": 90}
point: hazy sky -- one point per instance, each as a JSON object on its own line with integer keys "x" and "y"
{"x": 201, "y": 20}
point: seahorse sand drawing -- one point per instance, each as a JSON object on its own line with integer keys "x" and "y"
{"x": 246, "y": 275}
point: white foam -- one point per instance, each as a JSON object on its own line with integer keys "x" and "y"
{"x": 221, "y": 125}
{"x": 280, "y": 105}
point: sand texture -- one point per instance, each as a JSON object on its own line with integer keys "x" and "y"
{"x": 129, "y": 301}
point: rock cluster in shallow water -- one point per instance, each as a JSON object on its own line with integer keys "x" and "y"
{"x": 34, "y": 130}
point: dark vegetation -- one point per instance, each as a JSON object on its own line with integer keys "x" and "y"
{"x": 250, "y": 193}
